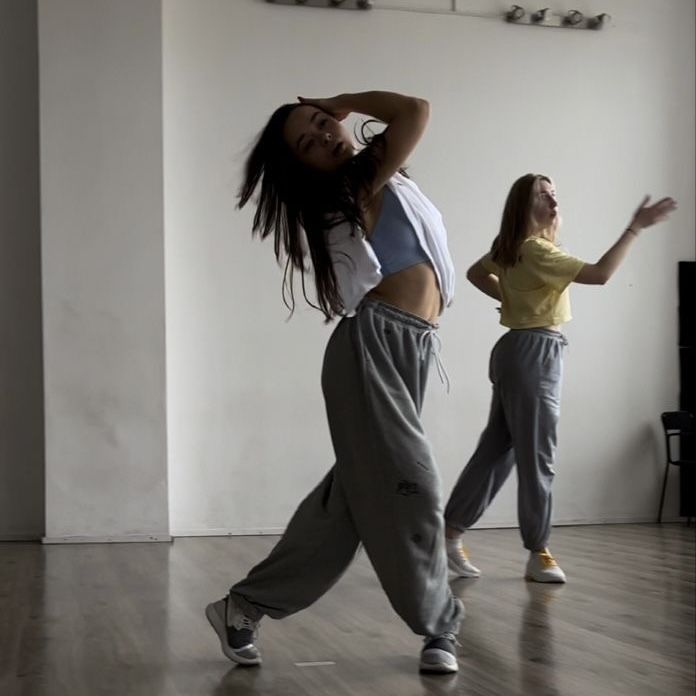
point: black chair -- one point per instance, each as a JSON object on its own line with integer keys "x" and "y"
{"x": 676, "y": 424}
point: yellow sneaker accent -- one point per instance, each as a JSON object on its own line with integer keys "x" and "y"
{"x": 542, "y": 567}
{"x": 463, "y": 552}
{"x": 547, "y": 559}
{"x": 458, "y": 560}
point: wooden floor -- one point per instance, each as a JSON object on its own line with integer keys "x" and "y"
{"x": 127, "y": 619}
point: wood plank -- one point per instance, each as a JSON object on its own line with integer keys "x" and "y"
{"x": 127, "y": 619}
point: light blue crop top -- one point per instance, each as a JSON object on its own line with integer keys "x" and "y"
{"x": 393, "y": 238}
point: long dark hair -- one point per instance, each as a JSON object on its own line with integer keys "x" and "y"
{"x": 517, "y": 219}
{"x": 297, "y": 203}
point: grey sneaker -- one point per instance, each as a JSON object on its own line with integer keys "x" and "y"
{"x": 236, "y": 631}
{"x": 458, "y": 560}
{"x": 439, "y": 654}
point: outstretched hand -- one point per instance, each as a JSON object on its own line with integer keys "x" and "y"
{"x": 330, "y": 105}
{"x": 647, "y": 215}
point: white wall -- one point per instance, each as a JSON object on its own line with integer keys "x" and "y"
{"x": 103, "y": 269}
{"x": 608, "y": 114}
{"x": 21, "y": 382}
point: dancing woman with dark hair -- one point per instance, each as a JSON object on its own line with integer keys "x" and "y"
{"x": 378, "y": 254}
{"x": 527, "y": 272}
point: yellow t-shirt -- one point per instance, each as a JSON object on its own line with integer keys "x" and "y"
{"x": 535, "y": 289}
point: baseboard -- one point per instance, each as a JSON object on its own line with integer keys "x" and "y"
{"x": 115, "y": 539}
{"x": 580, "y": 522}
{"x": 610, "y": 520}
{"x": 275, "y": 531}
{"x": 263, "y": 531}
{"x": 234, "y": 531}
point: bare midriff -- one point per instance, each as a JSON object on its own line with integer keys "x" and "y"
{"x": 414, "y": 290}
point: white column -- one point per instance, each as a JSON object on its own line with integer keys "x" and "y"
{"x": 103, "y": 270}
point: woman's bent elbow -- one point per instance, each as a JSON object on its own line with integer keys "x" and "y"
{"x": 421, "y": 106}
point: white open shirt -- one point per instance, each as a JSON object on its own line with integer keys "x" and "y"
{"x": 356, "y": 265}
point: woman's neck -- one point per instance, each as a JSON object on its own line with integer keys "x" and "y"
{"x": 547, "y": 233}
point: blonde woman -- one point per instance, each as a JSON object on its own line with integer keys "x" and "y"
{"x": 529, "y": 274}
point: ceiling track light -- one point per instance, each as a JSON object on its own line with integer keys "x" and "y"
{"x": 544, "y": 17}
{"x": 598, "y": 21}
{"x": 515, "y": 13}
{"x": 337, "y": 4}
{"x": 573, "y": 18}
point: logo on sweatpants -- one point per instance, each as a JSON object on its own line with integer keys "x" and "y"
{"x": 407, "y": 488}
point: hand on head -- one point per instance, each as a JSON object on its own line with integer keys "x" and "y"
{"x": 330, "y": 105}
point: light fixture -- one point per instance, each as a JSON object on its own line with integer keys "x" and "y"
{"x": 598, "y": 21}
{"x": 515, "y": 13}
{"x": 540, "y": 15}
{"x": 573, "y": 18}
{"x": 339, "y": 4}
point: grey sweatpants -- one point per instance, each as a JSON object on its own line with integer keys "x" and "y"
{"x": 526, "y": 370}
{"x": 383, "y": 491}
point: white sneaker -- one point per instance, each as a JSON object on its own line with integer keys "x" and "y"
{"x": 458, "y": 560}
{"x": 542, "y": 567}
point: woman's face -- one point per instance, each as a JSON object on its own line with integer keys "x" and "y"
{"x": 317, "y": 139}
{"x": 545, "y": 206}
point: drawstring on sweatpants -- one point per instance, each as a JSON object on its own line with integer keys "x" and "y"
{"x": 434, "y": 346}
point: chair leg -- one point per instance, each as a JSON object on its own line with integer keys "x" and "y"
{"x": 662, "y": 497}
